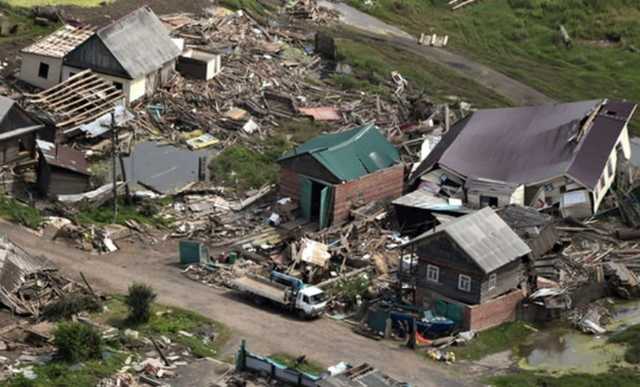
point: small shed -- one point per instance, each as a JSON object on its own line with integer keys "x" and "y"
{"x": 333, "y": 173}
{"x": 18, "y": 132}
{"x": 61, "y": 170}
{"x": 199, "y": 64}
{"x": 42, "y": 61}
{"x": 536, "y": 229}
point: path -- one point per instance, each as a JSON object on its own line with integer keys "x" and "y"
{"x": 267, "y": 331}
{"x": 517, "y": 92}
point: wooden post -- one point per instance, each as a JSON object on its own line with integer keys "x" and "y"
{"x": 114, "y": 152}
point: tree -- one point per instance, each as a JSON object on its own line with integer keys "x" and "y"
{"x": 139, "y": 301}
{"x": 77, "y": 342}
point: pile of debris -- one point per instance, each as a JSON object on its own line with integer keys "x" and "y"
{"x": 221, "y": 276}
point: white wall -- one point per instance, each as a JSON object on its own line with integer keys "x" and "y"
{"x": 31, "y": 65}
{"x": 132, "y": 89}
{"x": 608, "y": 178}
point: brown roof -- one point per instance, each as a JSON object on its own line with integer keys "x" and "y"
{"x": 63, "y": 157}
{"x": 60, "y": 42}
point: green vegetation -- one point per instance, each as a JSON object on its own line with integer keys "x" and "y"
{"x": 521, "y": 38}
{"x": 138, "y": 300}
{"x": 69, "y": 305}
{"x": 618, "y": 378}
{"x": 501, "y": 338}
{"x": 27, "y": 29}
{"x": 32, "y": 3}
{"x": 306, "y": 366}
{"x": 142, "y": 214}
{"x": 631, "y": 338}
{"x": 77, "y": 342}
{"x": 373, "y": 62}
{"x": 18, "y": 212}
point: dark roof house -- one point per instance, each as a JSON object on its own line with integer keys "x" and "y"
{"x": 61, "y": 170}
{"x": 131, "y": 47}
{"x": 333, "y": 173}
{"x": 17, "y": 131}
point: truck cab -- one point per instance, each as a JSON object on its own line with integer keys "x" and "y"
{"x": 311, "y": 301}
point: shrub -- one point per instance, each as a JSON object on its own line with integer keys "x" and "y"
{"x": 139, "y": 301}
{"x": 77, "y": 342}
{"x": 69, "y": 305}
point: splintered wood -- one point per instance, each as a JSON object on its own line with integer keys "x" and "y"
{"x": 79, "y": 100}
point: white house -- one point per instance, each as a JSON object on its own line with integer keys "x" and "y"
{"x": 42, "y": 61}
{"x": 135, "y": 53}
{"x": 562, "y": 155}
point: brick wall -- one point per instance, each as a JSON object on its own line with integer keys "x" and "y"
{"x": 289, "y": 184}
{"x": 493, "y": 313}
{"x": 384, "y": 184}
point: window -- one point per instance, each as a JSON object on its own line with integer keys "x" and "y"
{"x": 464, "y": 283}
{"x": 610, "y": 168}
{"x": 43, "y": 71}
{"x": 433, "y": 273}
{"x": 71, "y": 73}
{"x": 493, "y": 278}
{"x": 117, "y": 85}
{"x": 488, "y": 201}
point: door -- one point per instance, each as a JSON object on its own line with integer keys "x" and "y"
{"x": 325, "y": 207}
{"x": 306, "y": 188}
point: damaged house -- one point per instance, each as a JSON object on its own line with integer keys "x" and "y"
{"x": 61, "y": 170}
{"x": 18, "y": 132}
{"x": 334, "y": 173}
{"x": 563, "y": 155}
{"x": 135, "y": 53}
{"x": 472, "y": 269}
{"x": 42, "y": 61}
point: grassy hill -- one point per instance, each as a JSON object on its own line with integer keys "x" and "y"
{"x": 521, "y": 38}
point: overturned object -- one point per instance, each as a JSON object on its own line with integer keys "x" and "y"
{"x": 315, "y": 253}
{"x": 199, "y": 64}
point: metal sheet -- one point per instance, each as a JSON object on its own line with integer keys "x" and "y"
{"x": 306, "y": 187}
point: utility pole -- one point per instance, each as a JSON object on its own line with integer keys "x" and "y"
{"x": 114, "y": 155}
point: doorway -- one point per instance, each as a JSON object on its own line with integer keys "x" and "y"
{"x": 316, "y": 201}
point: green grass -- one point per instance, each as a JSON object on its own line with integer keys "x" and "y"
{"x": 520, "y": 38}
{"x": 32, "y": 3}
{"x": 373, "y": 62}
{"x": 27, "y": 29}
{"x": 617, "y": 378}
{"x": 103, "y": 215}
{"x": 169, "y": 323}
{"x": 18, "y": 212}
{"x": 631, "y": 338}
{"x": 308, "y": 366}
{"x": 501, "y": 338}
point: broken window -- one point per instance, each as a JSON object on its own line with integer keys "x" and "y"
{"x": 43, "y": 70}
{"x": 488, "y": 201}
{"x": 493, "y": 279}
{"x": 464, "y": 283}
{"x": 610, "y": 168}
{"x": 117, "y": 85}
{"x": 433, "y": 273}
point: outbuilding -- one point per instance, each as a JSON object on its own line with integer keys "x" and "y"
{"x": 135, "y": 53}
{"x": 332, "y": 174}
{"x": 18, "y": 132}
{"x": 61, "y": 170}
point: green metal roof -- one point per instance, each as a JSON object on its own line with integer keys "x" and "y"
{"x": 351, "y": 154}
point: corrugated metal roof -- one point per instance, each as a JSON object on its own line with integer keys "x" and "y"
{"x": 60, "y": 42}
{"x": 351, "y": 154}
{"x": 485, "y": 237}
{"x": 140, "y": 42}
{"x": 427, "y": 201}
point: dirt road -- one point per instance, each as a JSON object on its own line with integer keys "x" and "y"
{"x": 266, "y": 330}
{"x": 515, "y": 91}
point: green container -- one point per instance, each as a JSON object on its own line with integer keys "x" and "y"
{"x": 232, "y": 257}
{"x": 193, "y": 252}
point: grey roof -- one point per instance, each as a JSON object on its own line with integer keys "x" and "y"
{"x": 6, "y": 104}
{"x": 528, "y": 145}
{"x": 485, "y": 237}
{"x": 140, "y": 42}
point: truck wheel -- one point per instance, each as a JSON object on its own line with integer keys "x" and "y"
{"x": 302, "y": 315}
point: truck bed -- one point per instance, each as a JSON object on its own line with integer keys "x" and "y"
{"x": 261, "y": 287}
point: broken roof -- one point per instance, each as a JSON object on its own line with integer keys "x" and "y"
{"x": 485, "y": 237}
{"x": 63, "y": 157}
{"x": 60, "y": 42}
{"x": 80, "y": 99}
{"x": 140, "y": 42}
{"x": 351, "y": 154}
{"x": 528, "y": 145}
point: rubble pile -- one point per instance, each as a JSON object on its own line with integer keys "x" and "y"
{"x": 220, "y": 276}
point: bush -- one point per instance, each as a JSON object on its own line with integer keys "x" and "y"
{"x": 77, "y": 342}
{"x": 70, "y": 305}
{"x": 139, "y": 301}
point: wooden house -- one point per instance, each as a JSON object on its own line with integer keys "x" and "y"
{"x": 332, "y": 174}
{"x": 536, "y": 155}
{"x": 18, "y": 132}
{"x": 61, "y": 170}
{"x": 135, "y": 53}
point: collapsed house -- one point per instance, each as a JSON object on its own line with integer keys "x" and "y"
{"x": 42, "y": 61}
{"x": 333, "y": 173}
{"x": 473, "y": 267}
{"x": 563, "y": 155}
{"x": 18, "y": 132}
{"x": 537, "y": 230}
{"x": 135, "y": 53}
{"x": 61, "y": 170}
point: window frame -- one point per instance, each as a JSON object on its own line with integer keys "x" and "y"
{"x": 610, "y": 170}
{"x": 462, "y": 277}
{"x": 436, "y": 270}
{"x": 43, "y": 68}
{"x": 493, "y": 281}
